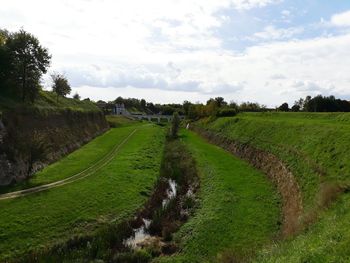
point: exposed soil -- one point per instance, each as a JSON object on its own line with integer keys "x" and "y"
{"x": 25, "y": 133}
{"x": 274, "y": 169}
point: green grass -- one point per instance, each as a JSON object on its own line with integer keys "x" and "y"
{"x": 77, "y": 161}
{"x": 239, "y": 208}
{"x": 120, "y": 121}
{"x": 112, "y": 193}
{"x": 315, "y": 146}
{"x": 326, "y": 241}
{"x": 47, "y": 101}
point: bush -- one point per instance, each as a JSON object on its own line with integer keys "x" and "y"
{"x": 226, "y": 113}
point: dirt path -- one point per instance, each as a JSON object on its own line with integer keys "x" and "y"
{"x": 81, "y": 175}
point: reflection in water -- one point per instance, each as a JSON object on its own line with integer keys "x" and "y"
{"x": 140, "y": 235}
{"x": 171, "y": 192}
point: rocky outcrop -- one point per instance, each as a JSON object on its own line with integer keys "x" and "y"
{"x": 274, "y": 169}
{"x": 29, "y": 139}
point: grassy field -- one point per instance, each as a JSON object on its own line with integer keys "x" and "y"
{"x": 238, "y": 213}
{"x": 113, "y": 193}
{"x": 116, "y": 121}
{"x": 315, "y": 148}
{"x": 77, "y": 161}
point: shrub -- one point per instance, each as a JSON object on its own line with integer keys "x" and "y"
{"x": 226, "y": 113}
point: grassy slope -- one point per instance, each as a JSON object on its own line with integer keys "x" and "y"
{"x": 303, "y": 141}
{"x": 326, "y": 241}
{"x": 77, "y": 161}
{"x": 114, "y": 192}
{"x": 239, "y": 210}
{"x": 307, "y": 143}
{"x": 47, "y": 101}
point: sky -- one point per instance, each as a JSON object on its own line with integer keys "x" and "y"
{"x": 168, "y": 51}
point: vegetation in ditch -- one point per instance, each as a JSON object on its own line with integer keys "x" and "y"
{"x": 239, "y": 209}
{"x": 165, "y": 213}
{"x": 313, "y": 147}
{"x": 112, "y": 194}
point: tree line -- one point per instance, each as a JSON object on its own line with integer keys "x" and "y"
{"x": 318, "y": 103}
{"x": 213, "y": 107}
{"x": 23, "y": 62}
{"x": 218, "y": 107}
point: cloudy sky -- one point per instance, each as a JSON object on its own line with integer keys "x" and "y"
{"x": 269, "y": 51}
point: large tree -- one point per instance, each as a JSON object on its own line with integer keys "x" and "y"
{"x": 60, "y": 85}
{"x": 4, "y": 60}
{"x": 28, "y": 62}
{"x": 284, "y": 107}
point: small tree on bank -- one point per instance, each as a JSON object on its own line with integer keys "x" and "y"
{"x": 76, "y": 96}
{"x": 60, "y": 85}
{"x": 175, "y": 125}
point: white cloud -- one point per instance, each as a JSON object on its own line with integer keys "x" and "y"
{"x": 285, "y": 13}
{"x": 272, "y": 33}
{"x": 167, "y": 51}
{"x": 341, "y": 19}
{"x": 248, "y": 4}
{"x": 278, "y": 76}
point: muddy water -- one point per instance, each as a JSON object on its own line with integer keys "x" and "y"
{"x": 171, "y": 192}
{"x": 141, "y": 233}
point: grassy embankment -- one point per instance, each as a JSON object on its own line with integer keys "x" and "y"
{"x": 47, "y": 101}
{"x": 113, "y": 193}
{"x": 315, "y": 148}
{"x": 238, "y": 211}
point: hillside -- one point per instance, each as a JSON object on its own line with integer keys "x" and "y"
{"x": 314, "y": 147}
{"x": 33, "y": 135}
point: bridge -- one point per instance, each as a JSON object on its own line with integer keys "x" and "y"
{"x": 119, "y": 109}
{"x": 157, "y": 117}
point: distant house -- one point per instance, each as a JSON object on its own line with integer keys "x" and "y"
{"x": 119, "y": 109}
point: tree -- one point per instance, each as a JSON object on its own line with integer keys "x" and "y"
{"x": 295, "y": 108}
{"x": 186, "y": 106}
{"x": 233, "y": 105}
{"x": 211, "y": 108}
{"x": 175, "y": 125}
{"x": 77, "y": 96}
{"x": 119, "y": 100}
{"x": 60, "y": 85}
{"x": 284, "y": 107}
{"x": 4, "y": 35}
{"x": 4, "y": 60}
{"x": 28, "y": 62}
{"x": 220, "y": 101}
{"x": 143, "y": 104}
